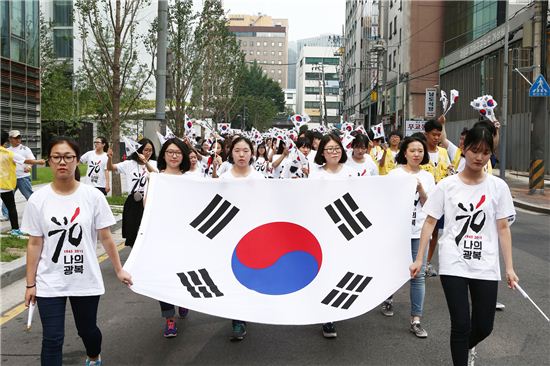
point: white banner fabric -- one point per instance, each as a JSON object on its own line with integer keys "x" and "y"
{"x": 294, "y": 251}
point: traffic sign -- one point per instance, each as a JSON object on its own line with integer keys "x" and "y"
{"x": 540, "y": 88}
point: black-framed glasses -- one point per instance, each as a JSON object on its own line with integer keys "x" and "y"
{"x": 173, "y": 153}
{"x": 332, "y": 150}
{"x": 56, "y": 159}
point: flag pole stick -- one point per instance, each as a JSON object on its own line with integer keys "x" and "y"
{"x": 524, "y": 294}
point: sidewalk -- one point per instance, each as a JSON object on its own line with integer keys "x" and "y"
{"x": 519, "y": 186}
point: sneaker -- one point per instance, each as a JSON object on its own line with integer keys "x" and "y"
{"x": 500, "y": 306}
{"x": 430, "y": 270}
{"x": 239, "y": 330}
{"x": 16, "y": 232}
{"x": 329, "y": 330}
{"x": 183, "y": 312}
{"x": 418, "y": 331}
{"x": 472, "y": 355}
{"x": 94, "y": 363}
{"x": 170, "y": 329}
{"x": 387, "y": 308}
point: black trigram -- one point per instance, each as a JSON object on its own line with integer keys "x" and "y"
{"x": 343, "y": 297}
{"x": 346, "y": 217}
{"x": 220, "y": 216}
{"x": 199, "y": 284}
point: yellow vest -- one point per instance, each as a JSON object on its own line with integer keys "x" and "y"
{"x": 389, "y": 163}
{"x": 456, "y": 161}
{"x": 440, "y": 171}
{"x": 374, "y": 153}
{"x": 8, "y": 180}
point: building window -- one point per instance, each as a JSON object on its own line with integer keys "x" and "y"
{"x": 5, "y": 28}
{"x": 63, "y": 42}
{"x": 258, "y": 53}
{"x": 272, "y": 53}
{"x": 391, "y": 27}
{"x": 272, "y": 62}
{"x": 273, "y": 71}
{"x": 280, "y": 53}
{"x": 394, "y": 58}
{"x": 280, "y": 44}
{"x": 312, "y": 105}
{"x": 251, "y": 52}
{"x": 265, "y": 53}
{"x": 265, "y": 44}
{"x": 279, "y": 81}
{"x": 63, "y": 13}
{"x": 389, "y": 62}
{"x": 395, "y": 24}
{"x": 279, "y": 71}
{"x": 272, "y": 44}
{"x": 258, "y": 44}
{"x": 280, "y": 62}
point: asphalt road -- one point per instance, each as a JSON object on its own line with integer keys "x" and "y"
{"x": 132, "y": 327}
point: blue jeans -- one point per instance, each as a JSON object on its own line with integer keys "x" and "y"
{"x": 52, "y": 315}
{"x": 418, "y": 284}
{"x": 25, "y": 186}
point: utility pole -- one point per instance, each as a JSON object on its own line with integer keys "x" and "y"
{"x": 324, "y": 95}
{"x": 504, "y": 119}
{"x": 382, "y": 96}
{"x": 539, "y": 105}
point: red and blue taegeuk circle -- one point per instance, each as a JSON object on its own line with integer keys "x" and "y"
{"x": 277, "y": 258}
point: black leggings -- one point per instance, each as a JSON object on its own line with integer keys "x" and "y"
{"x": 9, "y": 200}
{"x": 466, "y": 331}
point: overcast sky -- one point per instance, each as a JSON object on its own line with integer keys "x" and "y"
{"x": 306, "y": 18}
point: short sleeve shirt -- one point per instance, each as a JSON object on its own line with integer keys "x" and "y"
{"x": 26, "y": 153}
{"x": 469, "y": 245}
{"x": 97, "y": 164}
{"x": 68, "y": 225}
{"x": 136, "y": 174}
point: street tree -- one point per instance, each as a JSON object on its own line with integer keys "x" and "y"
{"x": 110, "y": 62}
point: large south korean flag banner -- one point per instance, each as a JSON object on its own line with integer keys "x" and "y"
{"x": 294, "y": 251}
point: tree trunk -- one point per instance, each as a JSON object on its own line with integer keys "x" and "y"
{"x": 115, "y": 136}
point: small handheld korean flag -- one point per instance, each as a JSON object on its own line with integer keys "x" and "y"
{"x": 347, "y": 141}
{"x": 298, "y": 121}
{"x": 161, "y": 138}
{"x": 169, "y": 134}
{"x": 361, "y": 129}
{"x": 485, "y": 105}
{"x": 188, "y": 127}
{"x": 444, "y": 101}
{"x": 224, "y": 128}
{"x": 378, "y": 131}
{"x": 130, "y": 146}
{"x": 453, "y": 100}
{"x": 346, "y": 127}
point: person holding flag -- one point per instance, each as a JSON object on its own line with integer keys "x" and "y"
{"x": 412, "y": 154}
{"x": 136, "y": 168}
{"x": 440, "y": 167}
{"x": 240, "y": 155}
{"x": 478, "y": 208}
{"x": 64, "y": 221}
{"x": 261, "y": 162}
{"x": 360, "y": 161}
{"x": 97, "y": 174}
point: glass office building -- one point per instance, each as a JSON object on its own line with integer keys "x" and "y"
{"x": 20, "y": 70}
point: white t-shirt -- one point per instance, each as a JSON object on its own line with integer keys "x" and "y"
{"x": 224, "y": 167}
{"x": 318, "y": 172}
{"x": 137, "y": 175}
{"x": 26, "y": 153}
{"x": 277, "y": 171}
{"x": 68, "y": 263}
{"x": 198, "y": 172}
{"x": 18, "y": 159}
{"x": 261, "y": 165}
{"x": 367, "y": 167}
{"x": 97, "y": 165}
{"x": 428, "y": 183}
{"x": 469, "y": 244}
{"x": 228, "y": 175}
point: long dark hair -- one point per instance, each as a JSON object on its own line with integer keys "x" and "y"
{"x": 185, "y": 162}
{"x": 264, "y": 155}
{"x": 73, "y": 145}
{"x": 143, "y": 142}
{"x": 478, "y": 136}
{"x": 104, "y": 142}
{"x": 400, "y": 158}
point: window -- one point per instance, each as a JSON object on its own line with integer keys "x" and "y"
{"x": 18, "y": 18}
{"x": 394, "y": 58}
{"x": 272, "y": 62}
{"x": 389, "y": 62}
{"x": 312, "y": 105}
{"x": 279, "y": 81}
{"x": 312, "y": 90}
{"x": 395, "y": 24}
{"x": 258, "y": 44}
{"x": 333, "y": 105}
{"x": 5, "y": 28}
{"x": 312, "y": 76}
{"x": 324, "y": 60}
{"x": 251, "y": 52}
{"x": 272, "y": 53}
{"x": 280, "y": 44}
{"x": 280, "y": 53}
{"x": 280, "y": 62}
{"x": 391, "y": 27}
{"x": 273, "y": 71}
{"x": 279, "y": 72}
{"x": 265, "y": 44}
{"x": 258, "y": 53}
{"x": 63, "y": 42}
{"x": 63, "y": 12}
{"x": 272, "y": 44}
{"x": 289, "y": 97}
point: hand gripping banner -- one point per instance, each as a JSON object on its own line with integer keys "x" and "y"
{"x": 293, "y": 251}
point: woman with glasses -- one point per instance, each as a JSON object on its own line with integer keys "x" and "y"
{"x": 64, "y": 220}
{"x": 330, "y": 160}
{"x": 174, "y": 160}
{"x": 136, "y": 169}
{"x": 97, "y": 174}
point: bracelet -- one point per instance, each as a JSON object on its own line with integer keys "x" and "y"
{"x": 31, "y": 286}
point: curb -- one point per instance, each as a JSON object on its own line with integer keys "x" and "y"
{"x": 16, "y": 270}
{"x": 530, "y": 207}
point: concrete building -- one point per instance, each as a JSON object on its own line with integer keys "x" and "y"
{"x": 60, "y": 15}
{"x": 370, "y": 61}
{"x": 317, "y": 84}
{"x": 20, "y": 70}
{"x": 411, "y": 35}
{"x": 351, "y": 62}
{"x": 265, "y": 40}
{"x": 290, "y": 99}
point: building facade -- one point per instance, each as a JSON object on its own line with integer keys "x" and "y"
{"x": 290, "y": 100}
{"x": 351, "y": 62}
{"x": 60, "y": 15}
{"x": 264, "y": 40}
{"x": 318, "y": 85}
{"x": 20, "y": 70}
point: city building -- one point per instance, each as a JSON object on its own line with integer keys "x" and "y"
{"x": 20, "y": 70}
{"x": 351, "y": 62}
{"x": 472, "y": 62}
{"x": 370, "y": 61}
{"x": 264, "y": 40}
{"x": 290, "y": 100}
{"x": 59, "y": 13}
{"x": 317, "y": 84}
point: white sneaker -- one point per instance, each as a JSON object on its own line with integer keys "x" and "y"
{"x": 500, "y": 306}
{"x": 472, "y": 355}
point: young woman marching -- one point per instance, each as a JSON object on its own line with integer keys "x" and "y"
{"x": 173, "y": 159}
{"x": 330, "y": 159}
{"x": 412, "y": 154}
{"x": 195, "y": 165}
{"x": 64, "y": 220}
{"x": 240, "y": 155}
{"x": 261, "y": 163}
{"x": 97, "y": 174}
{"x": 136, "y": 169}
{"x": 361, "y": 162}
{"x": 477, "y": 208}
